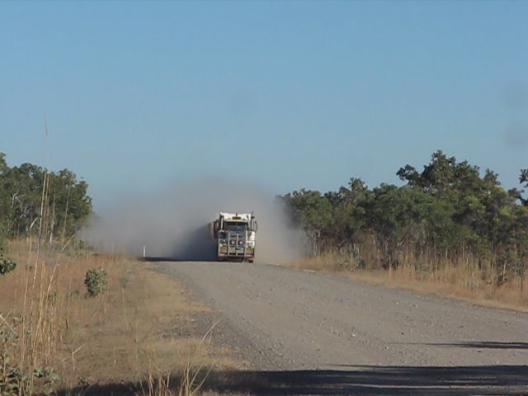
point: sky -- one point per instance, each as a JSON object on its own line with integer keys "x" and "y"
{"x": 284, "y": 94}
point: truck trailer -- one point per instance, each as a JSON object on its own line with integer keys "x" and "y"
{"x": 235, "y": 236}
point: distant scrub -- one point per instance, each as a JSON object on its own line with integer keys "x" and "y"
{"x": 448, "y": 212}
{"x": 36, "y": 201}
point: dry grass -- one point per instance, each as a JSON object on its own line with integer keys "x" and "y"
{"x": 138, "y": 331}
{"x": 461, "y": 280}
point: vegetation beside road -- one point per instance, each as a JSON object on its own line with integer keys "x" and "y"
{"x": 137, "y": 334}
{"x": 33, "y": 200}
{"x": 448, "y": 227}
{"x": 74, "y": 321}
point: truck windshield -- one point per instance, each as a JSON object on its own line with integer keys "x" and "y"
{"x": 237, "y": 227}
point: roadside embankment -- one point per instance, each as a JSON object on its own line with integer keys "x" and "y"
{"x": 128, "y": 325}
{"x": 462, "y": 280}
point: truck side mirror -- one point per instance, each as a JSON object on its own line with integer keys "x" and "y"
{"x": 215, "y": 228}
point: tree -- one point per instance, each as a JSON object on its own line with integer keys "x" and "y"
{"x": 64, "y": 206}
{"x": 523, "y": 179}
{"x": 313, "y": 212}
{"x": 447, "y": 210}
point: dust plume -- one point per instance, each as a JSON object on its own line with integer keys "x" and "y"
{"x": 176, "y": 223}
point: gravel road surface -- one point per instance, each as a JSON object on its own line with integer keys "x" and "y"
{"x": 315, "y": 333}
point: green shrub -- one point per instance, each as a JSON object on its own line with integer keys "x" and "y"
{"x": 6, "y": 265}
{"x": 95, "y": 281}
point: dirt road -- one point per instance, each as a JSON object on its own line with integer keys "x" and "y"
{"x": 314, "y": 333}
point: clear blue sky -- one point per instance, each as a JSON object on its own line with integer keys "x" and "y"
{"x": 285, "y": 94}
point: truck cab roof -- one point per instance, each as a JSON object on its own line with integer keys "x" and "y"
{"x": 242, "y": 217}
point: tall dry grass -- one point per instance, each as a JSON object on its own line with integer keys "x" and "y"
{"x": 140, "y": 331}
{"x": 462, "y": 276}
{"x": 42, "y": 305}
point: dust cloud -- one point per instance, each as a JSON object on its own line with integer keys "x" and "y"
{"x": 175, "y": 223}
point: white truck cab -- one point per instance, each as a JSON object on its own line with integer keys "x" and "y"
{"x": 235, "y": 235}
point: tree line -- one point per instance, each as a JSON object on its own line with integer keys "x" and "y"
{"x": 447, "y": 211}
{"x": 35, "y": 201}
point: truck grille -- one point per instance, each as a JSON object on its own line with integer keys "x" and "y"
{"x": 237, "y": 244}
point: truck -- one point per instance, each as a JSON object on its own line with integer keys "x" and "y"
{"x": 235, "y": 236}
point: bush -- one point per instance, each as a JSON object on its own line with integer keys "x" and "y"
{"x": 95, "y": 281}
{"x": 6, "y": 266}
